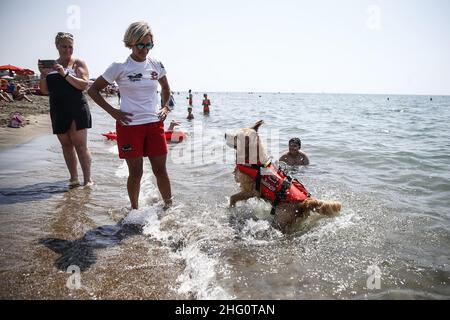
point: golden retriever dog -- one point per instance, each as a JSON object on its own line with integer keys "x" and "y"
{"x": 258, "y": 177}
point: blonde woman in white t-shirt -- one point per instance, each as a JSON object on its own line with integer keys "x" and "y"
{"x": 139, "y": 122}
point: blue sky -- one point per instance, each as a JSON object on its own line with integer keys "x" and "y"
{"x": 346, "y": 46}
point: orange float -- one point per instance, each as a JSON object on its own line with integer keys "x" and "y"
{"x": 171, "y": 136}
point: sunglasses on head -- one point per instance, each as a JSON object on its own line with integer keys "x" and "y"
{"x": 141, "y": 46}
{"x": 65, "y": 34}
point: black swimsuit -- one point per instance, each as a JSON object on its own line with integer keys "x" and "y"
{"x": 67, "y": 104}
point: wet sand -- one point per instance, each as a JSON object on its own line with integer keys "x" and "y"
{"x": 42, "y": 235}
{"x": 45, "y": 228}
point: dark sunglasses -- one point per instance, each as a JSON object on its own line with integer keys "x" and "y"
{"x": 141, "y": 46}
{"x": 66, "y": 47}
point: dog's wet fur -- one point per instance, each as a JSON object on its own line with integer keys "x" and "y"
{"x": 250, "y": 149}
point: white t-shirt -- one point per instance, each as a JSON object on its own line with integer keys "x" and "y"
{"x": 138, "y": 85}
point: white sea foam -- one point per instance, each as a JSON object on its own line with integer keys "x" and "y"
{"x": 259, "y": 232}
{"x": 122, "y": 171}
{"x": 199, "y": 275}
{"x": 113, "y": 150}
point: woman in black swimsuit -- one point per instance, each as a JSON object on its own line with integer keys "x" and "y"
{"x": 69, "y": 110}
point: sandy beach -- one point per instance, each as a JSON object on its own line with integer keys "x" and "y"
{"x": 36, "y": 114}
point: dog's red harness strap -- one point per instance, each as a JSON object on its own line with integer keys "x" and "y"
{"x": 250, "y": 171}
{"x": 273, "y": 181}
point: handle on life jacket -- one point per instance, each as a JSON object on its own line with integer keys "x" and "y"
{"x": 259, "y": 175}
{"x": 281, "y": 194}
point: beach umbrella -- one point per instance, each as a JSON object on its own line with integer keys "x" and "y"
{"x": 26, "y": 72}
{"x": 10, "y": 67}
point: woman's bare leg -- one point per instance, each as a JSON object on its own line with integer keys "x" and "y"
{"x": 70, "y": 155}
{"x": 79, "y": 140}
{"x": 162, "y": 178}
{"x": 135, "y": 171}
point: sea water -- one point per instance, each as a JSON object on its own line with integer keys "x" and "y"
{"x": 386, "y": 161}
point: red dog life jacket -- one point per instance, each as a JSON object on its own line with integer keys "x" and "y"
{"x": 274, "y": 185}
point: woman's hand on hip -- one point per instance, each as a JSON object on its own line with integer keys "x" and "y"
{"x": 121, "y": 117}
{"x": 162, "y": 114}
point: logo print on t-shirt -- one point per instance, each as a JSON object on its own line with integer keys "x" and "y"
{"x": 154, "y": 75}
{"x": 135, "y": 77}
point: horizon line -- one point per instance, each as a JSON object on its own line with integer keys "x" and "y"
{"x": 299, "y": 92}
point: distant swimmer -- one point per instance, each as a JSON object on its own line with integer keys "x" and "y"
{"x": 431, "y": 99}
{"x": 206, "y": 103}
{"x": 171, "y": 101}
{"x": 190, "y": 98}
{"x": 190, "y": 114}
{"x": 172, "y": 125}
{"x": 295, "y": 157}
{"x": 388, "y": 99}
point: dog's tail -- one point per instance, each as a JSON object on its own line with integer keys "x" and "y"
{"x": 328, "y": 208}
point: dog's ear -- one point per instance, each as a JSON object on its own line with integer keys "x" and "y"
{"x": 257, "y": 125}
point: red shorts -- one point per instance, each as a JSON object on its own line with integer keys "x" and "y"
{"x": 145, "y": 140}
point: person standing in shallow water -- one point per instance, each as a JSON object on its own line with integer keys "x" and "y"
{"x": 206, "y": 103}
{"x": 139, "y": 123}
{"x": 171, "y": 101}
{"x": 69, "y": 109}
{"x": 190, "y": 98}
{"x": 190, "y": 115}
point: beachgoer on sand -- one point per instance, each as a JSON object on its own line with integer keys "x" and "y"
{"x": 19, "y": 93}
{"x": 4, "y": 96}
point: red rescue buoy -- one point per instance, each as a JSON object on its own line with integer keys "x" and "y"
{"x": 171, "y": 136}
{"x": 175, "y": 136}
{"x": 110, "y": 136}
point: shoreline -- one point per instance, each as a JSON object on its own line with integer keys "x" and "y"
{"x": 39, "y": 125}
{"x": 37, "y": 115}
{"x": 38, "y": 122}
